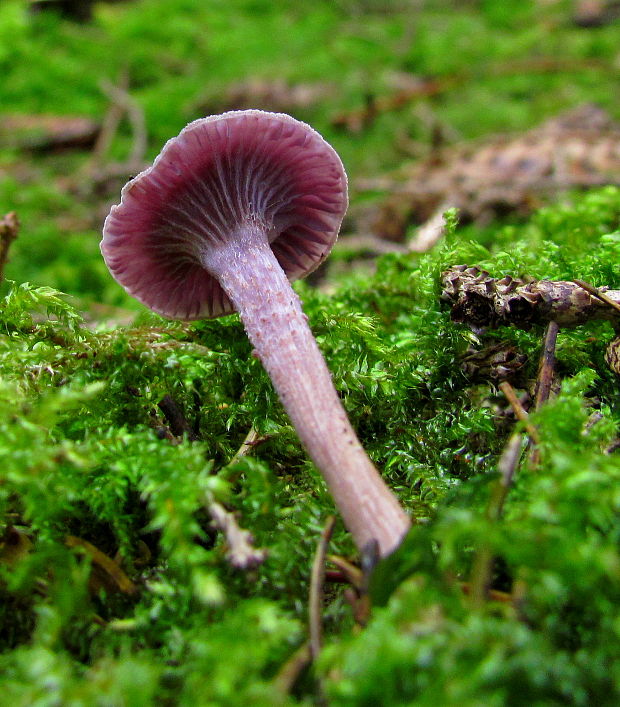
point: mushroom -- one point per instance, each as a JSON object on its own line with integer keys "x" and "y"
{"x": 231, "y": 210}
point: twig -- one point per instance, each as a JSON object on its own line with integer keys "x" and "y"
{"x": 9, "y": 229}
{"x": 368, "y": 243}
{"x": 358, "y": 119}
{"x": 492, "y": 594}
{"x": 544, "y": 380}
{"x": 519, "y": 411}
{"x": 547, "y": 366}
{"x": 179, "y": 426}
{"x": 136, "y": 118}
{"x": 507, "y": 466}
{"x": 317, "y": 579}
{"x": 483, "y": 562}
{"x": 599, "y": 294}
{"x": 110, "y": 574}
{"x": 350, "y": 572}
{"x": 291, "y": 670}
{"x": 252, "y": 439}
{"x": 431, "y": 231}
{"x": 359, "y": 579}
{"x": 336, "y": 577}
{"x": 241, "y": 553}
{"x": 109, "y": 126}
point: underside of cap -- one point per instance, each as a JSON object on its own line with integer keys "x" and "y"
{"x": 221, "y": 173}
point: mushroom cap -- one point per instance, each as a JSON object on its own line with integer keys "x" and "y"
{"x": 220, "y": 174}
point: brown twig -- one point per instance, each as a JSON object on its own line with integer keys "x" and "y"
{"x": 546, "y": 368}
{"x": 351, "y": 573}
{"x": 483, "y": 562}
{"x": 599, "y": 294}
{"x": 135, "y": 114}
{"x": 106, "y": 573}
{"x": 508, "y": 462}
{"x": 368, "y": 243}
{"x": 519, "y": 411}
{"x": 507, "y": 467}
{"x": 9, "y": 229}
{"x": 179, "y": 426}
{"x": 252, "y": 440}
{"x": 110, "y": 124}
{"x": 544, "y": 380}
{"x": 291, "y": 670}
{"x": 358, "y": 578}
{"x": 315, "y": 602}
{"x": 431, "y": 231}
{"x": 491, "y": 595}
{"x": 360, "y": 118}
{"x": 241, "y": 553}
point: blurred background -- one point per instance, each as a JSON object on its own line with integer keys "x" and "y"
{"x": 492, "y": 106}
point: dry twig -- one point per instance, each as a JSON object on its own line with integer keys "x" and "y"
{"x": 315, "y": 602}
{"x": 546, "y": 368}
{"x": 291, "y": 670}
{"x": 179, "y": 426}
{"x": 241, "y": 553}
{"x": 121, "y": 97}
{"x": 519, "y": 411}
{"x": 106, "y": 573}
{"x": 359, "y": 119}
{"x": 252, "y": 440}
{"x": 431, "y": 231}
{"x": 483, "y": 562}
{"x": 600, "y": 294}
{"x": 110, "y": 124}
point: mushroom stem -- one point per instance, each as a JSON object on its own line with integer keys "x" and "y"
{"x": 251, "y": 276}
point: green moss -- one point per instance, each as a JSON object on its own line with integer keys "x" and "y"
{"x": 83, "y": 455}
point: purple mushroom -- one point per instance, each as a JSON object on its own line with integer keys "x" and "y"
{"x": 232, "y": 209}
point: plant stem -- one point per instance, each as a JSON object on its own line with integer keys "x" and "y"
{"x": 271, "y": 312}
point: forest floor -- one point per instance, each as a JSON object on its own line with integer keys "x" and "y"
{"x": 133, "y": 449}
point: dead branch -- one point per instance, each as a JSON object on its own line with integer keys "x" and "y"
{"x": 599, "y": 294}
